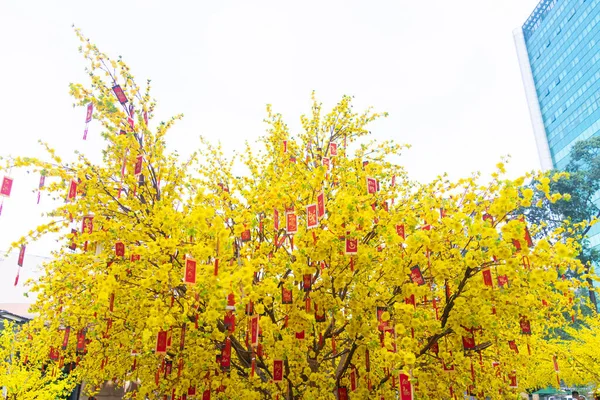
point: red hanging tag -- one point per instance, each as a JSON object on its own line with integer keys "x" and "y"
{"x": 80, "y": 348}
{"x": 216, "y": 266}
{"x": 254, "y": 330}
{"x": 139, "y": 162}
{"x": 371, "y": 185}
{"x": 226, "y": 355}
{"x": 291, "y": 222}
{"x": 286, "y": 295}
{"x": 416, "y": 276}
{"x": 17, "y": 277}
{"x": 321, "y": 205}
{"x": 190, "y": 271}
{"x": 487, "y": 277}
{"x": 367, "y": 361}
{"x": 513, "y": 346}
{"x": 275, "y": 219}
{"x": 277, "y": 370}
{"x": 406, "y": 392}
{"x": 333, "y": 150}
{"x": 6, "y": 186}
{"x": 312, "y": 219}
{"x": 119, "y": 249}
{"x": 342, "y": 393}
{"x": 161, "y": 342}
{"x": 285, "y": 146}
{"x": 525, "y": 326}
{"x": 21, "y": 256}
{"x": 353, "y": 379}
{"x": 72, "y": 190}
{"x": 120, "y": 94}
{"x": 351, "y": 245}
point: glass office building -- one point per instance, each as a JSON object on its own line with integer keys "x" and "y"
{"x": 559, "y": 55}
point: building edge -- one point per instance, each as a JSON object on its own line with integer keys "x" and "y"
{"x": 533, "y": 103}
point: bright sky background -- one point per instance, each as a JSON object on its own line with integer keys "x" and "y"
{"x": 446, "y": 71}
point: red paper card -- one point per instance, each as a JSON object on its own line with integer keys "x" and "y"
{"x": 286, "y": 295}
{"x": 87, "y": 226}
{"x": 135, "y": 257}
{"x": 21, "y": 256}
{"x": 161, "y": 342}
{"x": 120, "y": 95}
{"x": 6, "y": 186}
{"x": 502, "y": 280}
{"x": 333, "y": 149}
{"x": 65, "y": 341}
{"x": 342, "y": 393}
{"x": 371, "y": 185}
{"x": 351, "y": 245}
{"x": 72, "y": 190}
{"x": 54, "y": 354}
{"x": 512, "y": 377}
{"x": 119, "y": 249}
{"x": 88, "y": 115}
{"x": 416, "y": 276}
{"x": 254, "y": 331}
{"x": 468, "y": 343}
{"x": 190, "y": 271}
{"x": 321, "y": 204}
{"x": 382, "y": 324}
{"x": 277, "y": 370}
{"x": 226, "y": 354}
{"x": 406, "y": 392}
{"x": 291, "y": 222}
{"x": 513, "y": 346}
{"x": 326, "y": 163}
{"x": 73, "y": 245}
{"x": 300, "y": 335}
{"x": 285, "y": 147}
{"x": 367, "y": 361}
{"x": 487, "y": 277}
{"x": 525, "y": 326}
{"x": 312, "y": 219}
{"x": 80, "y": 348}
{"x": 353, "y": 379}
{"x": 206, "y": 395}
{"x": 400, "y": 231}
{"x": 139, "y": 162}
{"x": 246, "y": 236}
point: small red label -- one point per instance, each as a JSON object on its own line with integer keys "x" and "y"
{"x": 300, "y": 335}
{"x": 371, "y": 185}
{"x": 246, "y": 236}
{"x": 277, "y": 370}
{"x": 291, "y": 222}
{"x": 468, "y": 342}
{"x": 88, "y": 115}
{"x": 21, "y": 256}
{"x": 416, "y": 276}
{"x": 87, "y": 226}
{"x": 254, "y": 330}
{"x": 342, "y": 393}
{"x": 487, "y": 277}
{"x": 72, "y": 190}
{"x": 312, "y": 219}
{"x": 351, "y": 245}
{"x": 525, "y": 326}
{"x": 406, "y": 392}
{"x": 119, "y": 249}
{"x": 120, "y": 95}
{"x": 80, "y": 348}
{"x": 321, "y": 204}
{"x": 65, "y": 341}
{"x": 502, "y": 280}
{"x": 161, "y": 342}
{"x": 139, "y": 162}
{"x": 333, "y": 149}
{"x": 286, "y": 295}
{"x": 6, "y": 186}
{"x": 400, "y": 231}
{"x": 226, "y": 354}
{"x": 326, "y": 163}
{"x": 190, "y": 271}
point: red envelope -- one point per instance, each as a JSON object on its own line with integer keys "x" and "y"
{"x": 312, "y": 219}
{"x": 6, "y": 186}
{"x": 513, "y": 346}
{"x": 400, "y": 231}
{"x": 72, "y": 190}
{"x": 502, "y": 280}
{"x": 321, "y": 204}
{"x": 206, "y": 395}
{"x": 120, "y": 249}
{"x": 353, "y": 379}
{"x": 226, "y": 355}
{"x": 371, "y": 185}
{"x": 65, "y": 341}
{"x": 88, "y": 115}
{"x": 342, "y": 393}
{"x": 246, "y": 236}
{"x": 487, "y": 277}
{"x": 416, "y": 276}
{"x": 300, "y": 335}
{"x": 87, "y": 226}
{"x": 351, "y": 245}
{"x": 333, "y": 149}
{"x": 277, "y": 370}
{"x": 468, "y": 343}
{"x": 285, "y": 147}
{"x": 73, "y": 245}
{"x": 190, "y": 271}
{"x": 135, "y": 257}
{"x": 406, "y": 392}
{"x": 326, "y": 163}
{"x": 54, "y": 354}
{"x": 161, "y": 342}
{"x": 139, "y": 162}
{"x": 286, "y": 295}
{"x": 21, "y": 256}
{"x": 80, "y": 348}
{"x": 254, "y": 331}
{"x": 307, "y": 282}
{"x": 291, "y": 222}
{"x": 119, "y": 93}
{"x": 367, "y": 361}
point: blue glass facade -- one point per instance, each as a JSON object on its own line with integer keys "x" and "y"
{"x": 562, "y": 41}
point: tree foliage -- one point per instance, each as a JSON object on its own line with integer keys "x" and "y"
{"x": 323, "y": 260}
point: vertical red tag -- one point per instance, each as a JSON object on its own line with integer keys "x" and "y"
{"x": 487, "y": 277}
{"x": 190, "y": 271}
{"x": 416, "y": 276}
{"x": 111, "y": 302}
{"x": 285, "y": 146}
{"x": 406, "y": 392}
{"x": 525, "y": 326}
{"x": 80, "y": 348}
{"x": 382, "y": 324}
{"x": 502, "y": 280}
{"x": 286, "y": 295}
{"x": 254, "y": 330}
{"x": 90, "y": 110}
{"x": 321, "y": 204}
{"x": 146, "y": 117}
{"x": 312, "y": 219}
{"x": 65, "y": 341}
{"x": 300, "y": 335}
{"x": 206, "y": 395}
{"x": 277, "y": 370}
{"x": 191, "y": 391}
{"x": 6, "y": 186}
{"x": 400, "y": 231}
{"x": 54, "y": 354}
{"x": 512, "y": 378}
{"x": 275, "y": 219}
{"x": 513, "y": 346}
{"x": 87, "y": 226}
{"x": 371, "y": 185}
{"x": 351, "y": 245}
{"x": 291, "y": 222}
{"x": 161, "y": 342}
{"x": 342, "y": 393}
{"x": 119, "y": 249}
{"x": 307, "y": 282}
{"x": 72, "y": 190}
{"x": 353, "y": 379}
{"x": 119, "y": 93}
{"x": 326, "y": 163}
{"x": 139, "y": 162}
{"x": 468, "y": 342}
{"x": 333, "y": 149}
{"x": 73, "y": 245}
{"x": 367, "y": 361}
{"x": 246, "y": 235}
{"x": 226, "y": 354}
{"x": 21, "y": 256}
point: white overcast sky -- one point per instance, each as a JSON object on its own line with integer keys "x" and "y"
{"x": 446, "y": 71}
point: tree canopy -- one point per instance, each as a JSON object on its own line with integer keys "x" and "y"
{"x": 322, "y": 272}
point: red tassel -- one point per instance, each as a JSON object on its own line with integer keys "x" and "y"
{"x": 17, "y": 278}
{"x": 216, "y": 266}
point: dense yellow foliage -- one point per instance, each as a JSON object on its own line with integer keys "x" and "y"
{"x": 431, "y": 257}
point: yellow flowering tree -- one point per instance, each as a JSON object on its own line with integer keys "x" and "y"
{"x": 322, "y": 272}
